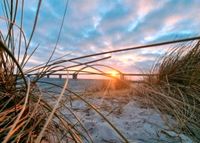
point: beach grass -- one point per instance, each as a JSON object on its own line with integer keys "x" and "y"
{"x": 175, "y": 90}
{"x": 26, "y": 114}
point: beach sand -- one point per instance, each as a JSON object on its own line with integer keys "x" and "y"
{"x": 136, "y": 122}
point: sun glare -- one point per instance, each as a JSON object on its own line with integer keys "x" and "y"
{"x": 113, "y": 73}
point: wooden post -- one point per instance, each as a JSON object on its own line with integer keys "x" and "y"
{"x": 74, "y": 76}
{"x": 121, "y": 76}
{"x": 60, "y": 76}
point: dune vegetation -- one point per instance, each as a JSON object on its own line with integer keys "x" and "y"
{"x": 26, "y": 115}
{"x": 31, "y": 114}
{"x": 175, "y": 90}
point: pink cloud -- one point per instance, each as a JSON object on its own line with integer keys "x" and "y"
{"x": 146, "y": 6}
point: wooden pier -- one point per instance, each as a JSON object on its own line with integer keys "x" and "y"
{"x": 121, "y": 76}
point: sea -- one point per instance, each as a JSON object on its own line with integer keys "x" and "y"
{"x": 76, "y": 85}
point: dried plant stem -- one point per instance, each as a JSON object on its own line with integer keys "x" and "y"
{"x": 53, "y": 111}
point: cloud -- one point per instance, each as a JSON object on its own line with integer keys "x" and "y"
{"x": 93, "y": 26}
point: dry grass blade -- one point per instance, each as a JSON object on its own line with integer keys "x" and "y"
{"x": 53, "y": 111}
{"x": 176, "y": 88}
{"x": 11, "y": 132}
{"x": 3, "y": 47}
{"x": 32, "y": 32}
{"x": 58, "y": 38}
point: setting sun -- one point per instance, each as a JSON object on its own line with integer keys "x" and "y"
{"x": 114, "y": 73}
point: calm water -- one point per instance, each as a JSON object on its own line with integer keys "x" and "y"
{"x": 79, "y": 85}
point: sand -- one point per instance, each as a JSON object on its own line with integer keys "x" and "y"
{"x": 136, "y": 122}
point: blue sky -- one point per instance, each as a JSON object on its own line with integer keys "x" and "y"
{"x": 100, "y": 25}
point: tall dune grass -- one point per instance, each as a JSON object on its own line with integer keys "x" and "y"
{"x": 175, "y": 90}
{"x": 26, "y": 114}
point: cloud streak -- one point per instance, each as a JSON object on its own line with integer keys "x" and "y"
{"x": 102, "y": 25}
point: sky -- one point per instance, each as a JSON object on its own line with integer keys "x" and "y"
{"x": 93, "y": 26}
